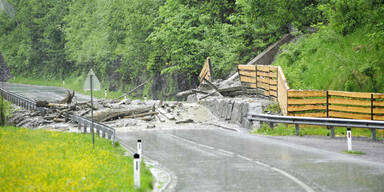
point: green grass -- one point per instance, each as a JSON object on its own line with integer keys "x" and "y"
{"x": 283, "y": 130}
{"x": 39, "y": 160}
{"x": 331, "y": 61}
{"x": 354, "y": 152}
{"x": 73, "y": 83}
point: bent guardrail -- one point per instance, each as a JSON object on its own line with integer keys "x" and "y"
{"x": 331, "y": 122}
{"x": 101, "y": 130}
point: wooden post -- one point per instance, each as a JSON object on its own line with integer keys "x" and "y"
{"x": 210, "y": 69}
{"x": 373, "y": 131}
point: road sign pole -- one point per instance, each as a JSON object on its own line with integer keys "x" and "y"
{"x": 93, "y": 132}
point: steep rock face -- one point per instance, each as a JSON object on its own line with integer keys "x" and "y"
{"x": 5, "y": 73}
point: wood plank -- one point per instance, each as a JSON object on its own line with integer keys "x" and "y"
{"x": 350, "y": 94}
{"x": 378, "y": 117}
{"x": 203, "y": 71}
{"x": 273, "y": 93}
{"x": 307, "y": 101}
{"x": 266, "y": 93}
{"x": 378, "y": 95}
{"x": 265, "y": 74}
{"x": 306, "y": 93}
{"x": 348, "y": 115}
{"x": 306, "y": 107}
{"x": 378, "y": 110}
{"x": 350, "y": 109}
{"x": 244, "y": 79}
{"x": 247, "y": 67}
{"x": 272, "y": 82}
{"x": 248, "y": 73}
{"x": 317, "y": 114}
{"x": 378, "y": 103}
{"x": 263, "y": 68}
{"x": 263, "y": 80}
{"x": 263, "y": 86}
{"x": 349, "y": 101}
{"x": 273, "y": 87}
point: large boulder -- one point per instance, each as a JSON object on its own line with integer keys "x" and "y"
{"x": 5, "y": 73}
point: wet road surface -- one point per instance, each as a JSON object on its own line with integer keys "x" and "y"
{"x": 208, "y": 159}
{"x": 204, "y": 158}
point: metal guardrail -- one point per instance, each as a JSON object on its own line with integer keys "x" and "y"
{"x": 101, "y": 130}
{"x": 21, "y": 101}
{"x": 331, "y": 122}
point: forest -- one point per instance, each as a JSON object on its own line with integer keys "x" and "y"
{"x": 128, "y": 42}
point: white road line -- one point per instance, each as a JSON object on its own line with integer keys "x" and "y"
{"x": 245, "y": 158}
{"x": 206, "y": 146}
{"x": 230, "y": 154}
{"x": 226, "y": 152}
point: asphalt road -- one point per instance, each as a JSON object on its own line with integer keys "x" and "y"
{"x": 209, "y": 159}
{"x": 205, "y": 158}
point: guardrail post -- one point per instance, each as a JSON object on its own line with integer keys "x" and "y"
{"x": 271, "y": 125}
{"x": 103, "y": 133}
{"x": 85, "y": 128}
{"x": 297, "y": 129}
{"x": 332, "y": 132}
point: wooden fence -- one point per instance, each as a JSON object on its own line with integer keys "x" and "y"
{"x": 263, "y": 77}
{"x": 311, "y": 103}
{"x": 336, "y": 104}
{"x": 206, "y": 72}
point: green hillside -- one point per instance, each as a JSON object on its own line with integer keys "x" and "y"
{"x": 346, "y": 54}
{"x": 127, "y": 42}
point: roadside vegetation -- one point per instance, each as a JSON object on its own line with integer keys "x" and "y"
{"x": 5, "y": 111}
{"x": 290, "y": 130}
{"x": 345, "y": 54}
{"x": 127, "y": 42}
{"x": 40, "y": 160}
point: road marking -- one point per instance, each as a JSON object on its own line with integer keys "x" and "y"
{"x": 245, "y": 158}
{"x": 206, "y": 146}
{"x": 230, "y": 154}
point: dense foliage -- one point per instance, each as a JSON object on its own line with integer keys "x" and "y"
{"x": 346, "y": 54}
{"x": 130, "y": 41}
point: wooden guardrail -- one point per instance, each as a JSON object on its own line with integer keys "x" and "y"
{"x": 263, "y": 77}
{"x": 206, "y": 72}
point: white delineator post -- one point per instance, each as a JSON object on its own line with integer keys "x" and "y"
{"x": 125, "y": 96}
{"x": 105, "y": 93}
{"x": 136, "y": 170}
{"x": 139, "y": 148}
{"x": 349, "y": 139}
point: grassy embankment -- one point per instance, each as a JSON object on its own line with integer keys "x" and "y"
{"x": 73, "y": 83}
{"x": 284, "y": 130}
{"x": 39, "y": 160}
